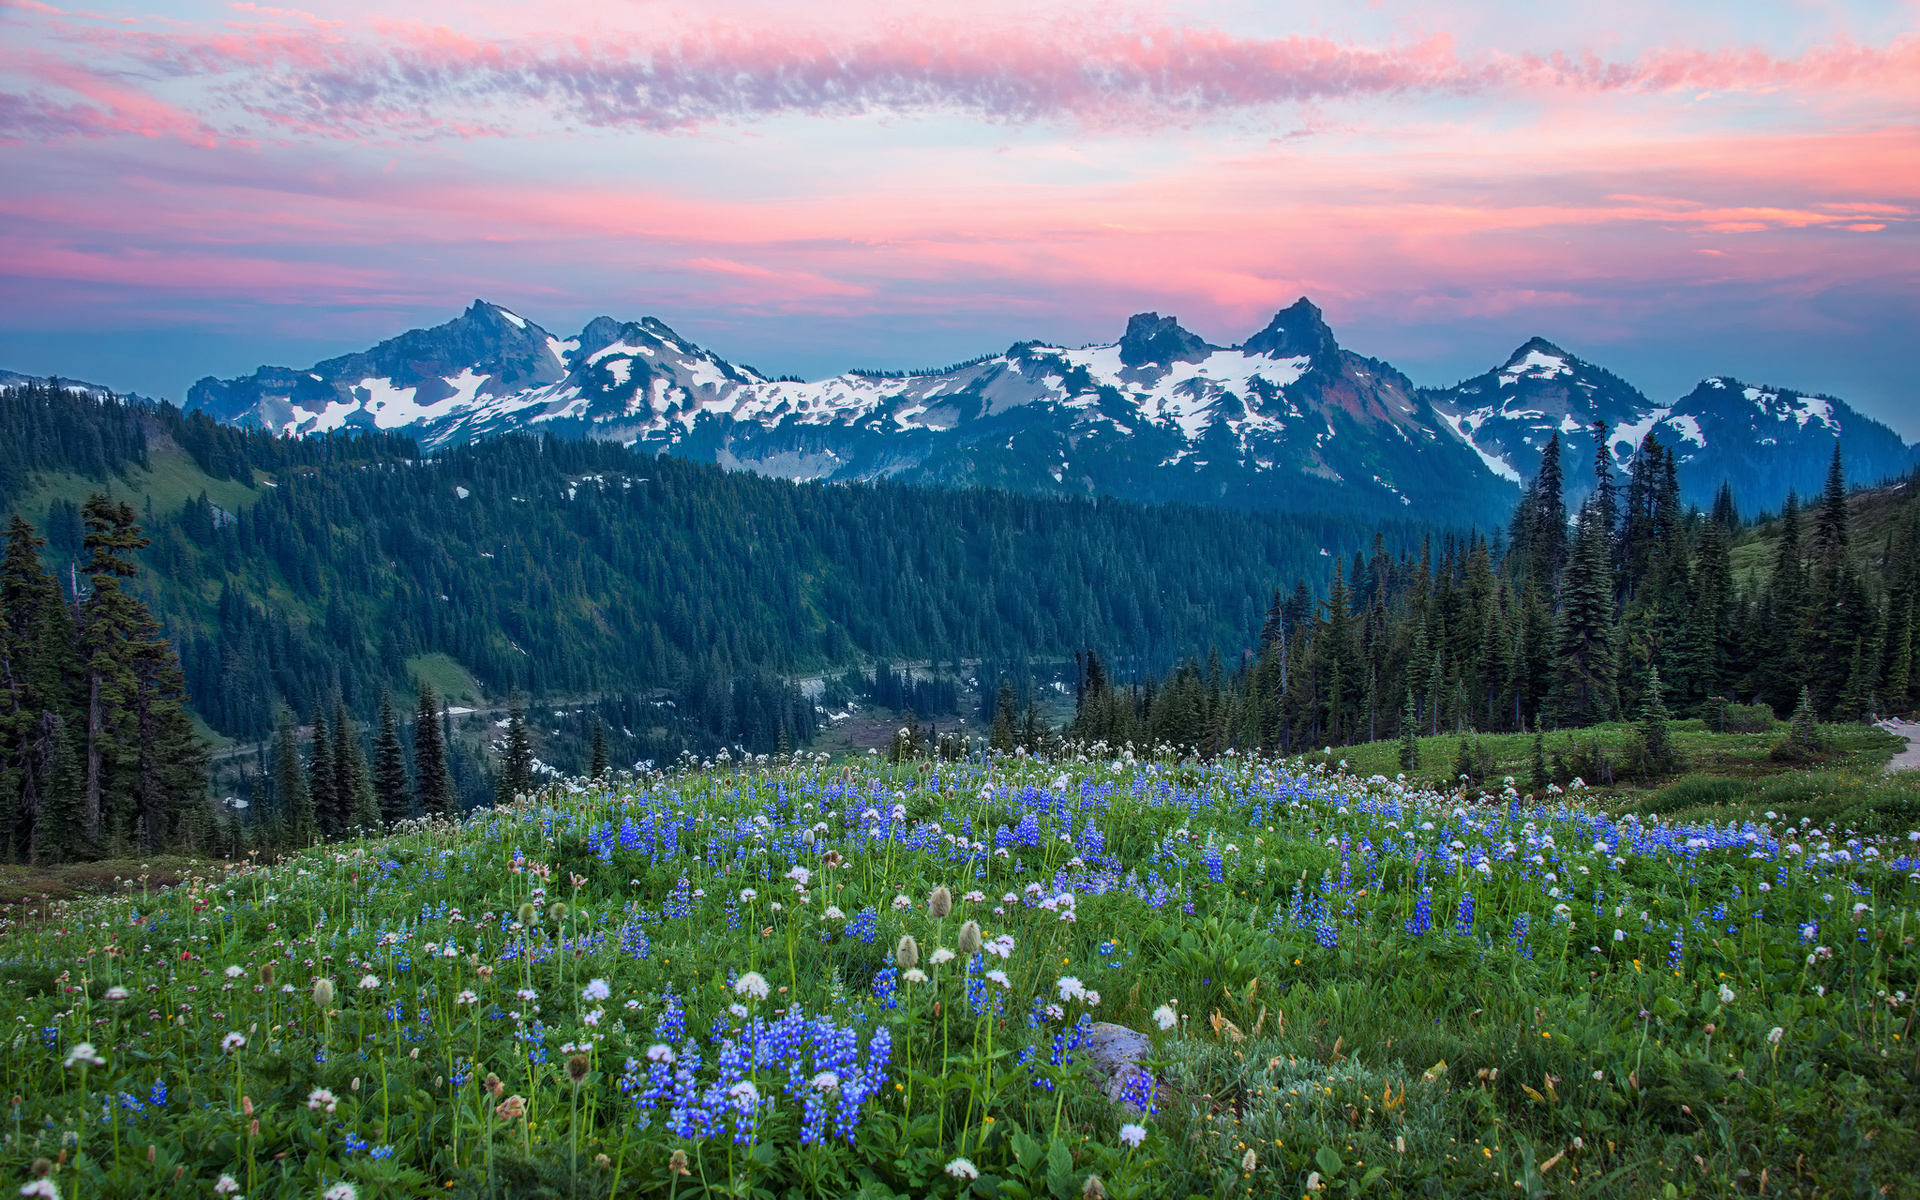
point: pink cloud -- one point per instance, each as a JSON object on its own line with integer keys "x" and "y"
{"x": 303, "y": 77}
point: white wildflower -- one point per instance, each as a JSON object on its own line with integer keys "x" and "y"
{"x": 84, "y": 1055}
{"x": 752, "y": 984}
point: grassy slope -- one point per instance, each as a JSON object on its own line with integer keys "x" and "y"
{"x": 1724, "y": 777}
{"x": 449, "y": 679}
{"x": 170, "y": 479}
{"x": 1877, "y": 513}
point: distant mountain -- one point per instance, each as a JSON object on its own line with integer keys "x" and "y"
{"x": 1287, "y": 420}
{"x": 77, "y": 386}
{"x": 1764, "y": 441}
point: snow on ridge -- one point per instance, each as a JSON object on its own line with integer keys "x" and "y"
{"x": 1499, "y": 466}
{"x": 1688, "y": 428}
{"x": 1635, "y": 432}
{"x": 1534, "y": 364}
{"x": 1813, "y": 406}
{"x": 518, "y": 321}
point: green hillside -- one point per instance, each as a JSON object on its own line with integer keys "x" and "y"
{"x": 288, "y": 571}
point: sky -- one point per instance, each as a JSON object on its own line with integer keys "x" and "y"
{"x": 1672, "y": 191}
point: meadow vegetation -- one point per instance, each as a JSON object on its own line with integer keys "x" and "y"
{"x": 800, "y": 977}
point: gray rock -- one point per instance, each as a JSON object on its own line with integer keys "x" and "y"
{"x": 1116, "y": 1052}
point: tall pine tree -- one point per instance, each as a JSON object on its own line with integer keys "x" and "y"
{"x": 390, "y": 783}
{"x": 432, "y": 777}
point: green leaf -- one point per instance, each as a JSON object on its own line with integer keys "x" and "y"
{"x": 1329, "y": 1160}
{"x": 1059, "y": 1158}
{"x": 1371, "y": 1177}
{"x": 1027, "y": 1151}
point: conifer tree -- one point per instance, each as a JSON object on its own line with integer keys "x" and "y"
{"x": 1463, "y": 764}
{"x": 359, "y": 809}
{"x": 1656, "y": 741}
{"x": 432, "y": 777}
{"x": 1584, "y": 679}
{"x": 1002, "y": 736}
{"x": 1804, "y": 727}
{"x": 108, "y": 639}
{"x": 58, "y": 797}
{"x": 597, "y": 757}
{"x": 36, "y": 709}
{"x": 516, "y": 760}
{"x": 390, "y": 783}
{"x": 293, "y": 804}
{"x": 1409, "y": 736}
{"x": 322, "y": 778}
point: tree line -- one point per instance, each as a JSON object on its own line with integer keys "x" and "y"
{"x": 1628, "y": 605}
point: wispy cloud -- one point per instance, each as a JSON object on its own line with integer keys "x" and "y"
{"x": 313, "y": 78}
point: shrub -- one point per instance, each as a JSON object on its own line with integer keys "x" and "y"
{"x": 1747, "y": 718}
{"x": 1698, "y": 791}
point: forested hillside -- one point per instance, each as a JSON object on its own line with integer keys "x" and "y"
{"x": 1632, "y": 608}
{"x": 571, "y": 569}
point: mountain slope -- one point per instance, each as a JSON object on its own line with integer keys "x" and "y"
{"x": 1288, "y": 420}
{"x": 1763, "y": 441}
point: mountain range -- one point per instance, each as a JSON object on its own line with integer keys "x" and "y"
{"x": 1288, "y": 419}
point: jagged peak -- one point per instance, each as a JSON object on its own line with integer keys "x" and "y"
{"x": 1298, "y": 329}
{"x": 1152, "y": 338}
{"x": 1541, "y": 346}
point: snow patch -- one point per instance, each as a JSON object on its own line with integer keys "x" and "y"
{"x": 1534, "y": 364}
{"x": 1499, "y": 466}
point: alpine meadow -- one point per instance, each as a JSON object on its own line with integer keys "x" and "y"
{"x": 1385, "y": 663}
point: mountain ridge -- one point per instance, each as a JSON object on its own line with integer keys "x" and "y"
{"x": 1287, "y": 419}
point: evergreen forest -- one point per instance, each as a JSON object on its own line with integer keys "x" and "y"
{"x": 349, "y": 615}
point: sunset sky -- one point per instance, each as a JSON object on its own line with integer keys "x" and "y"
{"x": 1669, "y": 190}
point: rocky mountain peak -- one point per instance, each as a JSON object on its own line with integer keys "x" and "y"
{"x": 1536, "y": 345}
{"x": 1152, "y": 338}
{"x": 1295, "y": 330}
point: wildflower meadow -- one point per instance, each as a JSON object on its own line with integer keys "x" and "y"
{"x": 797, "y": 977}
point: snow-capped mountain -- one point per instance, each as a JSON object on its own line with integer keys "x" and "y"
{"x": 1764, "y": 441}
{"x": 77, "y": 386}
{"x": 1288, "y": 419}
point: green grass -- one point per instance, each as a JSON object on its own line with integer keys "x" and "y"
{"x": 31, "y": 886}
{"x": 449, "y": 680}
{"x": 1700, "y": 749}
{"x": 1350, "y": 986}
{"x": 170, "y": 479}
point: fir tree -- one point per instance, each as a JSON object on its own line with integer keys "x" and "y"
{"x": 359, "y": 808}
{"x": 1803, "y": 729}
{"x": 1002, "y": 737}
{"x": 1657, "y": 755}
{"x": 1463, "y": 765}
{"x": 322, "y": 778}
{"x": 37, "y": 646}
{"x": 597, "y": 758}
{"x": 432, "y": 778}
{"x": 1584, "y": 679}
{"x": 108, "y": 638}
{"x": 391, "y": 786}
{"x": 516, "y": 760}
{"x": 292, "y": 802}
{"x": 1409, "y": 736}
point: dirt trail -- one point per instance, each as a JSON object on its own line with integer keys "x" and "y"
{"x": 1908, "y": 759}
